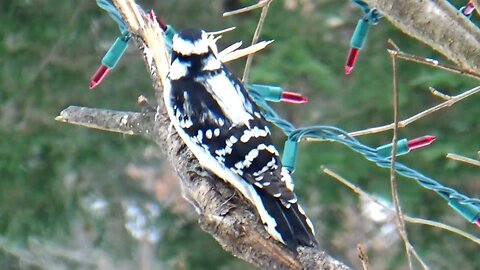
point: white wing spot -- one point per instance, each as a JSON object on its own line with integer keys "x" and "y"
{"x": 300, "y": 209}
{"x": 231, "y": 141}
{"x": 264, "y": 169}
{"x": 272, "y": 150}
{"x": 247, "y": 134}
{"x": 185, "y": 123}
{"x": 271, "y": 163}
{"x": 247, "y": 163}
{"x": 188, "y": 123}
{"x": 216, "y": 132}
{"x": 239, "y": 165}
{"x": 220, "y": 152}
{"x": 287, "y": 178}
{"x": 310, "y": 225}
{"x": 251, "y": 155}
{"x": 200, "y": 136}
{"x": 258, "y": 132}
{"x": 208, "y": 134}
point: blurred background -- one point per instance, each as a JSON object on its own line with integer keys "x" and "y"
{"x": 77, "y": 198}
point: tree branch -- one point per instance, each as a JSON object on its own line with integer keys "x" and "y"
{"x": 439, "y": 25}
{"x": 128, "y": 123}
{"x": 223, "y": 213}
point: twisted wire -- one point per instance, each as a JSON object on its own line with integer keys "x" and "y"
{"x": 335, "y": 134}
{"x": 114, "y": 14}
{"x": 371, "y": 14}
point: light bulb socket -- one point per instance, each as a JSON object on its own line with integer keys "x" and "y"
{"x": 114, "y": 54}
{"x": 385, "y": 151}
{"x": 169, "y": 34}
{"x": 268, "y": 92}
{"x": 468, "y": 211}
{"x": 360, "y": 34}
{"x": 289, "y": 157}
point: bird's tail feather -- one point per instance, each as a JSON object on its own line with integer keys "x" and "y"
{"x": 292, "y": 224}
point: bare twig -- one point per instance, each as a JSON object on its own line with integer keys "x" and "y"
{"x": 393, "y": 180}
{"x": 464, "y": 159}
{"x": 255, "y": 38}
{"x": 434, "y": 63}
{"x": 259, "y": 4}
{"x": 443, "y": 226}
{"x": 450, "y": 100}
{"x": 439, "y": 94}
{"x": 223, "y": 31}
{"x": 229, "y": 49}
{"x": 405, "y": 122}
{"x": 361, "y": 192}
{"x": 409, "y": 219}
{"x": 128, "y": 123}
{"x": 362, "y": 255}
{"x": 250, "y": 50}
{"x": 155, "y": 54}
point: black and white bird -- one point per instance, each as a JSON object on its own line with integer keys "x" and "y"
{"x": 225, "y": 130}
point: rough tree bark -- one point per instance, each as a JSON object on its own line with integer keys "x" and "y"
{"x": 222, "y": 212}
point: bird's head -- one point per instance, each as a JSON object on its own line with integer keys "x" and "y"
{"x": 193, "y": 51}
{"x": 192, "y": 42}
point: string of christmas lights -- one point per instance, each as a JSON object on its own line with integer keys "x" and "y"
{"x": 467, "y": 207}
{"x": 114, "y": 14}
{"x": 371, "y": 17}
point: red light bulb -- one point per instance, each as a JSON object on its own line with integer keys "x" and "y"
{"x": 294, "y": 98}
{"x": 99, "y": 75}
{"x": 351, "y": 59}
{"x": 153, "y": 17}
{"x": 420, "y": 142}
{"x": 469, "y": 8}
